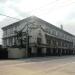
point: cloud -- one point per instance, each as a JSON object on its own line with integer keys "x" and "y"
{"x": 3, "y": 1}
{"x": 70, "y": 26}
{"x": 54, "y": 11}
{"x": 71, "y": 15}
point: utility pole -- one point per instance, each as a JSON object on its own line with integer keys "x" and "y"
{"x": 27, "y": 42}
{"x": 27, "y": 38}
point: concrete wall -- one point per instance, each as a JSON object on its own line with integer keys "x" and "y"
{"x": 16, "y": 53}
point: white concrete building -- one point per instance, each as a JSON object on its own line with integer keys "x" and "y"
{"x": 44, "y": 38}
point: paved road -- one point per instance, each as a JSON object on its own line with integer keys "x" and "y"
{"x": 64, "y": 65}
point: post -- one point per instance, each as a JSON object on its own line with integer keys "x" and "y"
{"x": 27, "y": 43}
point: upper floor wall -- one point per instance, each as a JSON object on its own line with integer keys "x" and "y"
{"x": 58, "y": 33}
{"x": 35, "y": 22}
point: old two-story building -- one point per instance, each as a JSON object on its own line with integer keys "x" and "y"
{"x": 33, "y": 36}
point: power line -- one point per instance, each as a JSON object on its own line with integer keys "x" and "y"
{"x": 60, "y": 6}
{"x": 68, "y": 4}
{"x": 9, "y": 16}
{"x": 51, "y": 3}
{"x": 31, "y": 10}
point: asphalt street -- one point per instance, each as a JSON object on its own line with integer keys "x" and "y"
{"x": 59, "y": 65}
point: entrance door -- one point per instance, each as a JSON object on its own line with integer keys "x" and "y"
{"x": 48, "y": 53}
{"x": 29, "y": 52}
{"x": 39, "y": 51}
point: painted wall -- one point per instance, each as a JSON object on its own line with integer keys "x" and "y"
{"x": 16, "y": 53}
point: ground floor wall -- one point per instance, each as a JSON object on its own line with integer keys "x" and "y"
{"x": 38, "y": 51}
{"x": 53, "y": 52}
{"x": 16, "y": 53}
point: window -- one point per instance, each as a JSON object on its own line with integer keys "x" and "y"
{"x": 38, "y": 40}
{"x": 53, "y": 32}
{"x": 48, "y": 41}
{"x": 5, "y": 33}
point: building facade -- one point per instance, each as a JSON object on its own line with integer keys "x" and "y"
{"x": 44, "y": 38}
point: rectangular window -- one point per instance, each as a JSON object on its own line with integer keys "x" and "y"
{"x": 38, "y": 40}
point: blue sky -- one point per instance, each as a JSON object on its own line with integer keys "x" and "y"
{"x": 56, "y": 12}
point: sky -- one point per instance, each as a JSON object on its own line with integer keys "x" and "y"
{"x": 56, "y": 12}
